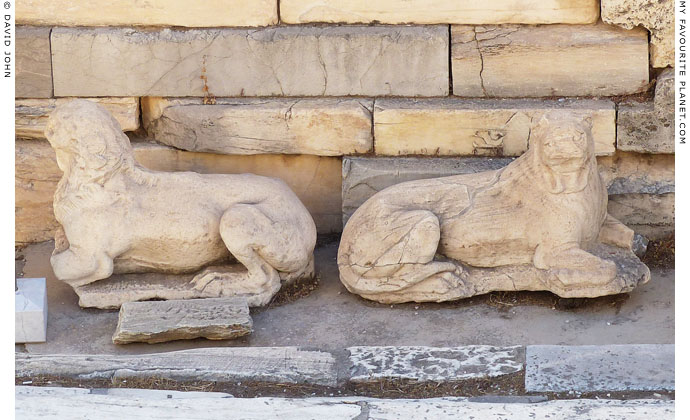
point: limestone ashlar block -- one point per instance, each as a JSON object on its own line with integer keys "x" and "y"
{"x": 440, "y": 11}
{"x": 650, "y": 215}
{"x": 637, "y": 173}
{"x": 548, "y": 60}
{"x": 655, "y": 15}
{"x": 207, "y": 13}
{"x": 647, "y": 127}
{"x": 34, "y": 78}
{"x": 277, "y": 61}
{"x": 31, "y": 115}
{"x": 316, "y": 180}
{"x": 168, "y": 320}
{"x": 461, "y": 127}
{"x": 323, "y": 127}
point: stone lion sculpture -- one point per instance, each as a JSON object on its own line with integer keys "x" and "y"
{"x": 537, "y": 224}
{"x": 118, "y": 217}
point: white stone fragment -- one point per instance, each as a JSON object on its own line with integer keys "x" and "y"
{"x": 421, "y": 363}
{"x": 30, "y": 311}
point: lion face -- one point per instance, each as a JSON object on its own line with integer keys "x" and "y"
{"x": 564, "y": 149}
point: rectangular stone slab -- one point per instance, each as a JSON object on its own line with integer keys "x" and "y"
{"x": 34, "y": 78}
{"x": 437, "y": 364}
{"x": 440, "y": 11}
{"x": 221, "y": 364}
{"x": 60, "y": 403}
{"x": 204, "y": 13}
{"x": 626, "y": 367}
{"x": 548, "y": 60}
{"x": 461, "y": 127}
{"x": 161, "y": 321}
{"x": 236, "y": 126}
{"x": 276, "y": 61}
{"x": 31, "y": 115}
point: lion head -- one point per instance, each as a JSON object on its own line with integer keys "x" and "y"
{"x": 88, "y": 141}
{"x": 563, "y": 148}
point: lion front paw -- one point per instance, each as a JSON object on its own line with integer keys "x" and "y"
{"x": 601, "y": 273}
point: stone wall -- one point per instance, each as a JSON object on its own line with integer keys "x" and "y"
{"x": 341, "y": 99}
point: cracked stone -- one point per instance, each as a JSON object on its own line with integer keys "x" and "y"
{"x": 322, "y": 127}
{"x": 284, "y": 61}
{"x": 655, "y": 15}
{"x": 548, "y": 60}
{"x": 457, "y": 127}
{"x": 648, "y": 127}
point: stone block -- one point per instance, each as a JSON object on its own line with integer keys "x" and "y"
{"x": 207, "y": 13}
{"x": 435, "y": 364}
{"x": 281, "y": 365}
{"x": 626, "y": 367}
{"x": 277, "y": 61}
{"x": 648, "y": 127}
{"x": 30, "y": 310}
{"x": 439, "y": 11}
{"x": 34, "y": 77}
{"x": 168, "y": 320}
{"x": 635, "y": 173}
{"x": 364, "y": 177}
{"x": 650, "y": 215}
{"x": 316, "y": 181}
{"x": 31, "y": 115}
{"x": 548, "y": 60}
{"x": 452, "y": 127}
{"x": 323, "y": 127}
{"x": 655, "y": 15}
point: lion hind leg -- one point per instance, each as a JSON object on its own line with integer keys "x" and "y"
{"x": 405, "y": 258}
{"x": 77, "y": 267}
{"x": 263, "y": 246}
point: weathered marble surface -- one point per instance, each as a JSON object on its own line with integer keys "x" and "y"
{"x": 236, "y": 126}
{"x": 548, "y": 60}
{"x": 161, "y": 321}
{"x": 112, "y": 292}
{"x": 220, "y": 364}
{"x": 283, "y": 61}
{"x": 442, "y": 364}
{"x": 59, "y": 403}
{"x": 655, "y": 15}
{"x": 439, "y": 11}
{"x": 479, "y": 127}
{"x": 648, "y": 127}
{"x": 651, "y": 215}
{"x": 34, "y": 77}
{"x": 118, "y": 217}
{"x": 149, "y": 13}
{"x": 540, "y": 223}
{"x": 626, "y": 367}
{"x": 31, "y": 115}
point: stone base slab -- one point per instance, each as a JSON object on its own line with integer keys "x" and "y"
{"x": 114, "y": 291}
{"x": 161, "y": 321}
{"x": 631, "y": 272}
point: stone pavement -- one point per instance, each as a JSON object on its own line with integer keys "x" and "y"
{"x": 330, "y": 318}
{"x": 73, "y": 403}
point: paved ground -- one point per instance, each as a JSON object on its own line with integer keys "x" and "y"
{"x": 331, "y": 318}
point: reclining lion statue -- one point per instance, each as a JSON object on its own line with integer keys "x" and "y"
{"x": 535, "y": 224}
{"x": 118, "y": 217}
